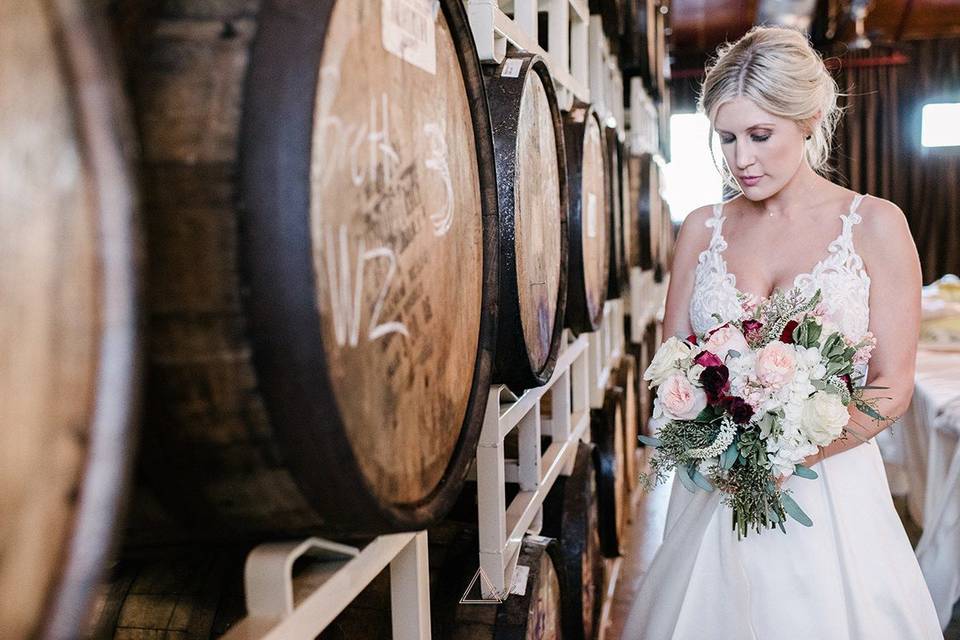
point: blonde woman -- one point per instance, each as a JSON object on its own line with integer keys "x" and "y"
{"x": 853, "y": 574}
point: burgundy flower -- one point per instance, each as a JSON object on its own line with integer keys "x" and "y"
{"x": 787, "y": 334}
{"x": 846, "y": 379}
{"x": 715, "y": 381}
{"x": 751, "y": 329}
{"x": 692, "y": 338}
{"x": 707, "y": 359}
{"x": 738, "y": 408}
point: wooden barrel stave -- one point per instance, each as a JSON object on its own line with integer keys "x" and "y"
{"x": 69, "y": 280}
{"x": 606, "y": 427}
{"x": 570, "y": 516}
{"x": 532, "y": 202}
{"x": 258, "y": 422}
{"x": 629, "y": 379}
{"x": 616, "y": 281}
{"x": 587, "y": 220}
{"x": 535, "y": 615}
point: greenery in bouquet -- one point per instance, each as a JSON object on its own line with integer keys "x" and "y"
{"x": 744, "y": 404}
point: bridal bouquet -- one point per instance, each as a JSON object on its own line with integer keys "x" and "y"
{"x": 744, "y": 404}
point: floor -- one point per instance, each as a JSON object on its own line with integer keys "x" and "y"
{"x": 646, "y": 533}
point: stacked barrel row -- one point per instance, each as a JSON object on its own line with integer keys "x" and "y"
{"x": 284, "y": 248}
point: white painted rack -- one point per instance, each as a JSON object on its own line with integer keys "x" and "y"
{"x": 338, "y": 575}
{"x": 644, "y": 131}
{"x": 495, "y": 23}
{"x": 577, "y": 384}
{"x": 276, "y": 608}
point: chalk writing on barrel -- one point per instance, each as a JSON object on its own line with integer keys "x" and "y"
{"x": 346, "y": 296}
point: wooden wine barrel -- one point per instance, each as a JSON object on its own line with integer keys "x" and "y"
{"x": 322, "y": 204}
{"x": 535, "y": 615}
{"x": 629, "y": 379}
{"x": 616, "y": 271}
{"x": 184, "y": 593}
{"x": 638, "y": 45}
{"x": 628, "y": 214}
{"x": 651, "y": 342}
{"x": 612, "y": 17}
{"x": 606, "y": 431}
{"x": 587, "y": 221}
{"x": 69, "y": 282}
{"x": 570, "y": 516}
{"x": 656, "y": 217}
{"x": 532, "y": 199}
{"x": 639, "y": 168}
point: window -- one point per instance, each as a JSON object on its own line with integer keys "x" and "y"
{"x": 940, "y": 124}
{"x": 691, "y": 178}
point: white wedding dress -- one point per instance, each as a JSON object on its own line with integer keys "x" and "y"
{"x": 851, "y": 576}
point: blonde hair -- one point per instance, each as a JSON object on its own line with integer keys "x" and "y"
{"x": 783, "y": 74}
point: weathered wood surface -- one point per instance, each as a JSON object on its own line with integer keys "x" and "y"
{"x": 531, "y": 177}
{"x": 68, "y": 325}
{"x": 322, "y": 265}
{"x": 588, "y": 219}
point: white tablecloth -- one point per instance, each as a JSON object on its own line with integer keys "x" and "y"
{"x": 929, "y": 435}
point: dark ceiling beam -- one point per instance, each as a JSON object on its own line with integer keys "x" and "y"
{"x": 902, "y": 26}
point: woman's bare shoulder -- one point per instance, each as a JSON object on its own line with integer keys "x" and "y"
{"x": 694, "y": 226}
{"x": 882, "y": 220}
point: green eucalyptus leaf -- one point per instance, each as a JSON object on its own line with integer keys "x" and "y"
{"x": 804, "y": 472}
{"x": 650, "y": 441}
{"x": 684, "y": 474}
{"x": 700, "y": 480}
{"x": 729, "y": 457}
{"x": 794, "y": 511}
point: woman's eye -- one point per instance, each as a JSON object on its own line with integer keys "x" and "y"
{"x": 754, "y": 138}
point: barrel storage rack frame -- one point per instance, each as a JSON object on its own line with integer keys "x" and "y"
{"x": 337, "y": 573}
{"x": 582, "y": 67}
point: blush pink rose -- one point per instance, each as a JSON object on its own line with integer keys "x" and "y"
{"x": 776, "y": 364}
{"x": 680, "y": 399}
{"x": 724, "y": 339}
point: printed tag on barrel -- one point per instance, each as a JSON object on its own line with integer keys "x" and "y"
{"x": 408, "y": 31}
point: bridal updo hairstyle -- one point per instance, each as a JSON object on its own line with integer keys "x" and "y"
{"x": 783, "y": 74}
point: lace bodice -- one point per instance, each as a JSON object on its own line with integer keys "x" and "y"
{"x": 840, "y": 276}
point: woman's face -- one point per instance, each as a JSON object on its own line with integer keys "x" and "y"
{"x": 763, "y": 151}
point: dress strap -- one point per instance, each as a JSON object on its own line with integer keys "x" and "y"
{"x": 715, "y": 222}
{"x": 849, "y": 220}
{"x": 853, "y": 215}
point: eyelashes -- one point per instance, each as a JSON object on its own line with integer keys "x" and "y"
{"x": 754, "y": 138}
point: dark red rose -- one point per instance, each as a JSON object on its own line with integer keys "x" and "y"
{"x": 708, "y": 359}
{"x": 738, "y": 408}
{"x": 692, "y": 338}
{"x": 787, "y": 334}
{"x": 715, "y": 381}
{"x": 846, "y": 379}
{"x": 751, "y": 329}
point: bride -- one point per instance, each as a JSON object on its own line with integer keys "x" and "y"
{"x": 853, "y": 574}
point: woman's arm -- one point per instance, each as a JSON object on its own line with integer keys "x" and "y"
{"x": 890, "y": 257}
{"x": 694, "y": 236}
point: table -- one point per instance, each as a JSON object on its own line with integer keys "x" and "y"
{"x": 929, "y": 434}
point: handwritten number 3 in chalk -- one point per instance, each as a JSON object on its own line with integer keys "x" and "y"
{"x": 442, "y": 218}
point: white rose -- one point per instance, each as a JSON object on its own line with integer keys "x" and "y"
{"x": 669, "y": 359}
{"x": 824, "y": 418}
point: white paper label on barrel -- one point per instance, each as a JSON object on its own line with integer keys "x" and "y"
{"x": 511, "y": 68}
{"x": 518, "y": 586}
{"x": 591, "y": 215}
{"x": 409, "y": 31}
